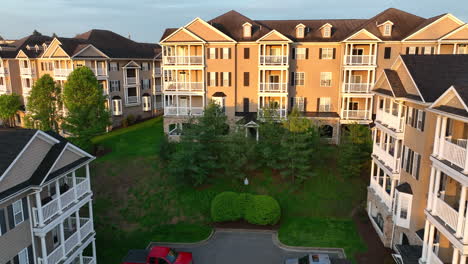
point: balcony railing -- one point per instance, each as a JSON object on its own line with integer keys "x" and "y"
{"x": 157, "y": 71}
{"x": 89, "y": 260}
{"x": 133, "y": 100}
{"x": 3, "y": 70}
{"x": 100, "y": 71}
{"x": 273, "y": 88}
{"x": 389, "y": 160}
{"x": 131, "y": 80}
{"x": 27, "y": 71}
{"x": 434, "y": 258}
{"x": 183, "y": 86}
{"x": 455, "y": 152}
{"x": 356, "y": 114}
{"x": 60, "y": 204}
{"x": 277, "y": 113}
{"x": 380, "y": 191}
{"x": 392, "y": 121}
{"x": 182, "y": 111}
{"x": 58, "y": 72}
{"x": 356, "y": 87}
{"x": 3, "y": 89}
{"x": 183, "y": 60}
{"x": 360, "y": 59}
{"x": 273, "y": 60}
{"x": 446, "y": 213}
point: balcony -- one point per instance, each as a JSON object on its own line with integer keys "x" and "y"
{"x": 273, "y": 60}
{"x": 445, "y": 212}
{"x": 131, "y": 81}
{"x": 388, "y": 159}
{"x": 356, "y": 87}
{"x": 3, "y": 70}
{"x": 275, "y": 113}
{"x": 183, "y": 86}
{"x": 183, "y": 111}
{"x": 380, "y": 191}
{"x": 27, "y": 71}
{"x": 158, "y": 88}
{"x": 157, "y": 71}
{"x": 99, "y": 72}
{"x": 54, "y": 207}
{"x": 454, "y": 151}
{"x": 62, "y": 72}
{"x": 183, "y": 60}
{"x": 273, "y": 88}
{"x": 356, "y": 114}
{"x": 394, "y": 122}
{"x": 360, "y": 60}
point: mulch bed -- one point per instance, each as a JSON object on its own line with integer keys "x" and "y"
{"x": 241, "y": 224}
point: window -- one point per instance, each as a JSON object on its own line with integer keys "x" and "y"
{"x": 246, "y": 53}
{"x": 298, "y": 102}
{"x": 246, "y": 78}
{"x": 325, "y": 104}
{"x": 327, "y": 53}
{"x": 226, "y": 79}
{"x": 299, "y": 78}
{"x": 427, "y": 50}
{"x": 114, "y": 66}
{"x": 220, "y": 101}
{"x": 300, "y": 53}
{"x": 325, "y": 79}
{"x": 18, "y": 215}
{"x": 146, "y": 83}
{"x": 212, "y": 53}
{"x": 387, "y": 53}
{"x": 300, "y": 32}
{"x": 420, "y": 120}
{"x": 411, "y": 162}
{"x": 146, "y": 103}
{"x": 212, "y": 78}
{"x": 145, "y": 66}
{"x": 327, "y": 32}
{"x": 247, "y": 30}
{"x": 412, "y": 50}
{"x": 115, "y": 86}
{"x": 23, "y": 256}
{"x": 387, "y": 29}
{"x": 462, "y": 49}
{"x": 403, "y": 208}
{"x": 116, "y": 107}
{"x": 226, "y": 53}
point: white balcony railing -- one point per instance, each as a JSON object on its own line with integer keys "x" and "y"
{"x": 89, "y": 260}
{"x": 131, "y": 80}
{"x": 273, "y": 60}
{"x": 389, "y": 160}
{"x": 278, "y": 113}
{"x": 63, "y": 73}
{"x": 392, "y": 121}
{"x": 183, "y": 60}
{"x": 356, "y": 87}
{"x": 3, "y": 89}
{"x": 273, "y": 88}
{"x": 133, "y": 100}
{"x": 27, "y": 71}
{"x": 360, "y": 59}
{"x": 54, "y": 207}
{"x": 3, "y": 70}
{"x": 157, "y": 71}
{"x": 183, "y": 86}
{"x": 356, "y": 114}
{"x": 435, "y": 259}
{"x": 455, "y": 153}
{"x": 380, "y": 191}
{"x": 183, "y": 111}
{"x": 446, "y": 213}
{"x": 100, "y": 71}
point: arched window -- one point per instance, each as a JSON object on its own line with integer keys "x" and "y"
{"x": 146, "y": 100}
{"x": 326, "y": 131}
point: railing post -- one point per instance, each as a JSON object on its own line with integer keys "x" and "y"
{"x": 88, "y": 178}
{"x": 461, "y": 211}
{"x": 425, "y": 241}
{"x": 431, "y": 241}
{"x": 74, "y": 184}
{"x": 62, "y": 239}
{"x": 455, "y": 256}
{"x": 78, "y": 226}
{"x": 434, "y": 194}
{"x": 59, "y": 201}
{"x": 40, "y": 214}
{"x": 44, "y": 249}
{"x": 431, "y": 189}
{"x": 442, "y": 136}
{"x": 437, "y": 137}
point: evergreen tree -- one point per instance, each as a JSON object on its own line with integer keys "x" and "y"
{"x": 86, "y": 114}
{"x": 355, "y": 150}
{"x": 36, "y": 33}
{"x": 44, "y": 104}
{"x": 238, "y": 155}
{"x": 54, "y": 35}
{"x": 271, "y": 133}
{"x": 9, "y": 105}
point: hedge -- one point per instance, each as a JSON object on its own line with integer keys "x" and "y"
{"x": 255, "y": 209}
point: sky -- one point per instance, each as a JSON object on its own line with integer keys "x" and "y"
{"x": 145, "y": 20}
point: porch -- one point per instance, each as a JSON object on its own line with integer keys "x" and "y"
{"x": 273, "y": 81}
{"x": 184, "y": 81}
{"x": 275, "y": 107}
{"x": 183, "y": 105}
{"x": 391, "y": 114}
{"x": 387, "y": 149}
{"x": 176, "y": 55}
{"x": 360, "y": 54}
{"x": 356, "y": 108}
{"x": 383, "y": 184}
{"x": 358, "y": 81}
{"x": 273, "y": 54}
{"x": 62, "y": 68}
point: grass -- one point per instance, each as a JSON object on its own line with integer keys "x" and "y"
{"x": 136, "y": 204}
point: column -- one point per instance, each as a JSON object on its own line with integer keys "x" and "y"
{"x": 366, "y": 113}
{"x": 346, "y": 53}
{"x": 434, "y": 194}
{"x": 59, "y": 201}
{"x": 426, "y": 238}
{"x": 461, "y": 212}
{"x": 392, "y": 190}
{"x": 431, "y": 189}
{"x": 400, "y": 121}
{"x": 455, "y": 255}
{"x": 90, "y": 205}
{"x": 40, "y": 215}
{"x": 395, "y": 155}
{"x": 62, "y": 238}
{"x": 431, "y": 241}
{"x": 442, "y": 136}
{"x": 74, "y": 184}
{"x": 43, "y": 249}
{"x": 372, "y": 171}
{"x": 342, "y": 107}
{"x": 465, "y": 231}
{"x": 94, "y": 251}
{"x": 81, "y": 258}
{"x": 88, "y": 177}
{"x": 78, "y": 225}
{"x": 437, "y": 137}
{"x": 463, "y": 259}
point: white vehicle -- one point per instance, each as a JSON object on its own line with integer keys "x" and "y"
{"x": 310, "y": 259}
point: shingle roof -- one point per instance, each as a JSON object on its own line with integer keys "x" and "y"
{"x": 405, "y": 188}
{"x": 395, "y": 83}
{"x": 425, "y": 23}
{"x": 434, "y": 74}
{"x": 31, "y": 40}
{"x": 12, "y": 142}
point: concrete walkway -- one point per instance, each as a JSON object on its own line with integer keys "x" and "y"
{"x": 228, "y": 246}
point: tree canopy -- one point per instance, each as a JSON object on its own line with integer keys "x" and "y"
{"x": 9, "y": 105}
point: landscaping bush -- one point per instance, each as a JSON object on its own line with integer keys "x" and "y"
{"x": 243, "y": 201}
{"x": 264, "y": 210}
{"x": 225, "y": 207}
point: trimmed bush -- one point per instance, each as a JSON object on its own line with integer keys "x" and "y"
{"x": 264, "y": 210}
{"x": 225, "y": 207}
{"x": 243, "y": 201}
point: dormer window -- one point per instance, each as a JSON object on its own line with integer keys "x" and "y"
{"x": 386, "y": 28}
{"x": 247, "y": 30}
{"x": 300, "y": 30}
{"x": 326, "y": 30}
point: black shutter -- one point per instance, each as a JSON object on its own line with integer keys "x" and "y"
{"x": 246, "y": 78}
{"x": 320, "y": 53}
{"x": 403, "y": 157}
{"x": 216, "y": 78}
{"x": 423, "y": 121}
{"x": 292, "y": 102}
{"x": 229, "y": 53}
{"x": 432, "y": 50}
{"x": 292, "y": 79}
{"x": 229, "y": 78}
{"x": 25, "y": 209}
{"x": 30, "y": 255}
{"x": 294, "y": 53}
{"x": 246, "y": 105}
{"x": 418, "y": 164}
{"x": 16, "y": 260}
{"x": 217, "y": 53}
{"x": 118, "y": 67}
{"x": 388, "y": 53}
{"x": 141, "y": 84}
{"x": 417, "y": 50}
{"x": 415, "y": 117}
{"x": 246, "y": 53}
{"x": 118, "y": 86}
{"x": 334, "y": 53}
{"x": 11, "y": 220}
{"x": 407, "y": 50}
{"x": 411, "y": 160}
{"x": 3, "y": 228}
{"x": 108, "y": 66}
{"x": 307, "y": 53}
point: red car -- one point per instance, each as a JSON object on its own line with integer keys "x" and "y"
{"x": 157, "y": 255}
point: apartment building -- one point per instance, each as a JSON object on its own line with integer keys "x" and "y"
{"x": 46, "y": 213}
{"x": 128, "y": 71}
{"x": 417, "y": 197}
{"x": 325, "y": 68}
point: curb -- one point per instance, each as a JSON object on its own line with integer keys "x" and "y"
{"x": 199, "y": 243}
{"x": 277, "y": 242}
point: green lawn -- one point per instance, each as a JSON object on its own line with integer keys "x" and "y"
{"x": 136, "y": 204}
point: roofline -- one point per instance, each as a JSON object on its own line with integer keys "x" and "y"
{"x": 359, "y": 31}
{"x": 452, "y": 88}
{"x": 21, "y": 52}
{"x": 185, "y": 30}
{"x": 87, "y": 47}
{"x": 207, "y": 24}
{"x": 453, "y": 116}
{"x": 271, "y": 32}
{"x": 444, "y": 16}
{"x": 386, "y": 22}
{"x": 389, "y": 84}
{"x": 411, "y": 77}
{"x": 453, "y": 32}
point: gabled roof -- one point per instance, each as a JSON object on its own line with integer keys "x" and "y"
{"x": 395, "y": 83}
{"x": 461, "y": 93}
{"x": 230, "y": 23}
{"x": 12, "y": 142}
{"x": 31, "y": 41}
{"x": 428, "y": 22}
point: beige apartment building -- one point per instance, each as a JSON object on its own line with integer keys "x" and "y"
{"x": 325, "y": 68}
{"x": 128, "y": 71}
{"x": 417, "y": 192}
{"x": 46, "y": 213}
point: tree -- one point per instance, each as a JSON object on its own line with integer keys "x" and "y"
{"x": 238, "y": 154}
{"x": 84, "y": 100}
{"x": 9, "y": 105}
{"x": 36, "y": 33}
{"x": 54, "y": 35}
{"x": 271, "y": 132}
{"x": 355, "y": 150}
{"x": 44, "y": 104}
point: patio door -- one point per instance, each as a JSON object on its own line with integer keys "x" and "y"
{"x": 356, "y": 78}
{"x": 183, "y": 106}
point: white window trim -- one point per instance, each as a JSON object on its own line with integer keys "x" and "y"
{"x": 299, "y": 81}
{"x": 325, "y": 104}
{"x": 23, "y": 257}
{"x": 225, "y": 55}
{"x": 327, "y": 54}
{"x": 419, "y": 122}
{"x": 113, "y": 66}
{"x": 326, "y": 79}
{"x": 300, "y": 53}
{"x": 412, "y": 50}
{"x": 114, "y": 85}
{"x": 18, "y": 205}
{"x": 387, "y": 29}
{"x": 300, "y": 32}
{"x": 327, "y": 32}
{"x": 212, "y": 53}
{"x": 146, "y": 102}
{"x": 298, "y": 102}
{"x": 247, "y": 31}
{"x": 212, "y": 79}
{"x": 117, "y": 112}
{"x": 145, "y": 66}
{"x": 225, "y": 79}
{"x": 403, "y": 222}
{"x": 427, "y": 50}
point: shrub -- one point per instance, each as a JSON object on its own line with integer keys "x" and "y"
{"x": 224, "y": 207}
{"x": 131, "y": 119}
{"x": 264, "y": 210}
{"x": 243, "y": 201}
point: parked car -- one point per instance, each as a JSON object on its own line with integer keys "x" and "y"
{"x": 310, "y": 259}
{"x": 157, "y": 255}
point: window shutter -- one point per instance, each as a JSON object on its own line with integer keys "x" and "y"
{"x": 423, "y": 121}
{"x": 410, "y": 161}
{"x": 108, "y": 66}
{"x": 229, "y": 53}
{"x": 294, "y": 53}
{"x": 292, "y": 102}
{"x": 307, "y": 53}
{"x": 387, "y": 53}
{"x": 216, "y": 78}
{"x": 292, "y": 79}
{"x": 30, "y": 255}
{"x": 149, "y": 83}
{"x": 418, "y": 165}
{"x": 407, "y": 50}
{"x": 11, "y": 220}
{"x": 246, "y": 78}
{"x": 334, "y": 53}
{"x": 141, "y": 84}
{"x": 417, "y": 51}
{"x": 25, "y": 209}
{"x": 415, "y": 117}
{"x": 217, "y": 53}
{"x": 432, "y": 50}
{"x": 229, "y": 78}
{"x": 3, "y": 228}
{"x": 403, "y": 160}
{"x": 246, "y": 53}
{"x": 320, "y": 53}
{"x": 118, "y": 85}
{"x": 16, "y": 260}
{"x": 118, "y": 67}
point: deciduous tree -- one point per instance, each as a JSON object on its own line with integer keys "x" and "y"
{"x": 9, "y": 105}
{"x": 355, "y": 150}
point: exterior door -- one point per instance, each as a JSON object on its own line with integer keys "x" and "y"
{"x": 183, "y": 106}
